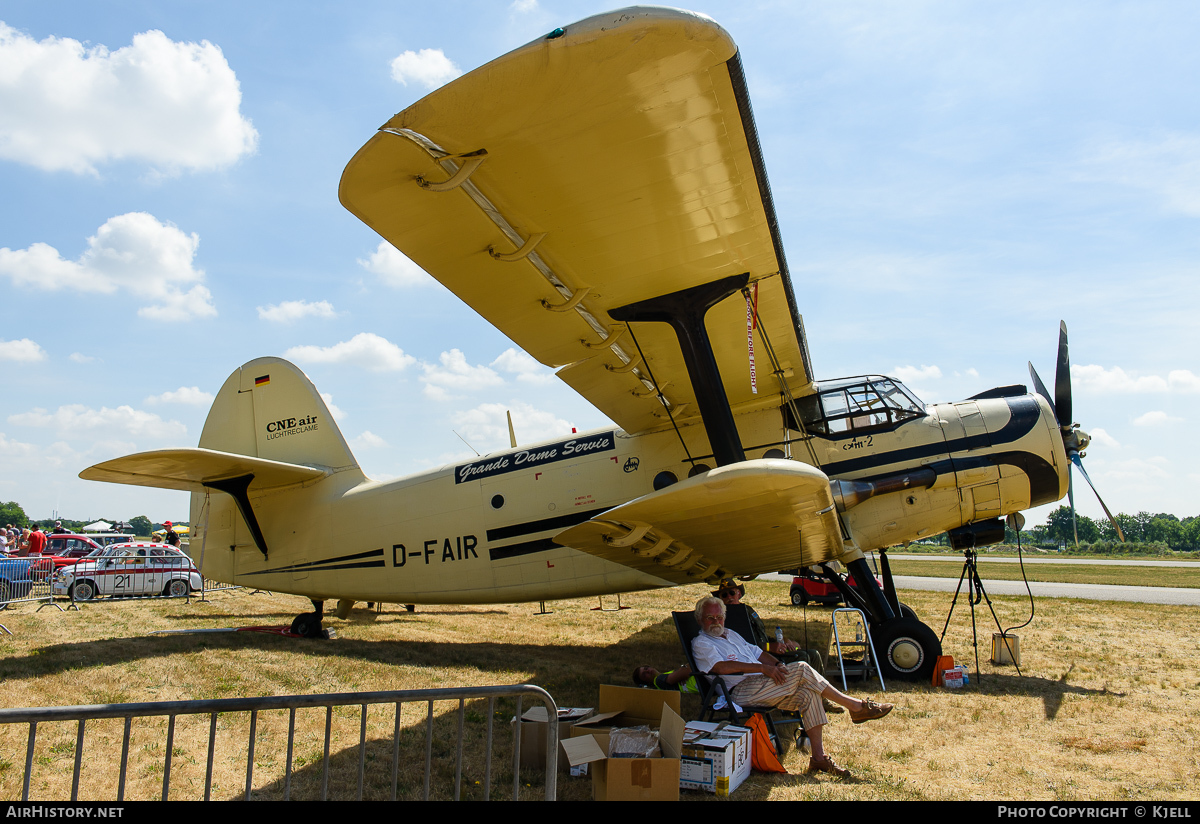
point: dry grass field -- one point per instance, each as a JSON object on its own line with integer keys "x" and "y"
{"x": 1108, "y": 706}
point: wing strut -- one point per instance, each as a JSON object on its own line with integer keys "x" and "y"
{"x": 237, "y": 487}
{"x": 685, "y": 311}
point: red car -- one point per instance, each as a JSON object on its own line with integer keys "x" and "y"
{"x": 819, "y": 591}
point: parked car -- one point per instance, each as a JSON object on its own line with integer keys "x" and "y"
{"x": 129, "y": 569}
{"x": 67, "y": 545}
{"x": 818, "y": 590}
{"x": 109, "y": 538}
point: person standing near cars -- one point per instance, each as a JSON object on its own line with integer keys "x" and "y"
{"x": 172, "y": 537}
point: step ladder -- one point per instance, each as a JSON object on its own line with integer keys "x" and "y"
{"x": 868, "y": 667}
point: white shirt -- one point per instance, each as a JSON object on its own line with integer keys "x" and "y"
{"x": 709, "y": 650}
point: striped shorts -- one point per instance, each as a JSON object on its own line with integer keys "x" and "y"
{"x": 800, "y": 692}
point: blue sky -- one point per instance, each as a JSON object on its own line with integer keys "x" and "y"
{"x": 951, "y": 180}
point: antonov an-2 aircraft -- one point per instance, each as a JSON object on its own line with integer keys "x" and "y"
{"x": 599, "y": 195}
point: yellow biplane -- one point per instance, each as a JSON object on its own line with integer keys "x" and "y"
{"x": 599, "y": 195}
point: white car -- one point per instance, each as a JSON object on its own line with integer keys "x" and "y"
{"x": 129, "y": 569}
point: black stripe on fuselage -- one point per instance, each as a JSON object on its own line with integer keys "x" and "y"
{"x": 526, "y": 548}
{"x": 340, "y": 562}
{"x": 545, "y": 524}
{"x": 1025, "y": 414}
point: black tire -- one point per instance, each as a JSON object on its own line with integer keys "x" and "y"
{"x": 83, "y": 590}
{"x": 906, "y": 649}
{"x": 177, "y": 588}
{"x": 307, "y": 625}
{"x": 799, "y": 597}
{"x": 908, "y": 612}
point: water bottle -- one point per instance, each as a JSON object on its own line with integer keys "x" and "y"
{"x": 779, "y": 637}
{"x": 858, "y": 632}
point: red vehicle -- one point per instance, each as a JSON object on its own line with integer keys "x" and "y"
{"x": 817, "y": 590}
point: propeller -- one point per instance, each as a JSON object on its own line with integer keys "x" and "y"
{"x": 1075, "y": 440}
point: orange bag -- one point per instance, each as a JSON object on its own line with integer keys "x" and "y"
{"x": 763, "y": 757}
{"x": 944, "y": 662}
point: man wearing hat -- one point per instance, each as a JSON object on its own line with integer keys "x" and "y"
{"x": 172, "y": 537}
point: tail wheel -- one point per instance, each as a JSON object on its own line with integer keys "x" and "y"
{"x": 906, "y": 649}
{"x": 83, "y": 591}
{"x": 177, "y": 588}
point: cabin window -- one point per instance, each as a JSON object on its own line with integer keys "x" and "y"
{"x": 854, "y": 404}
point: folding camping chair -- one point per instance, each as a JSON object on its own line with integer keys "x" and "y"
{"x": 713, "y": 689}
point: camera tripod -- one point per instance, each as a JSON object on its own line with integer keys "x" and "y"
{"x": 976, "y": 594}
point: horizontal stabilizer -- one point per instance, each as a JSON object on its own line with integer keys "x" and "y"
{"x": 191, "y": 469}
{"x": 742, "y": 519}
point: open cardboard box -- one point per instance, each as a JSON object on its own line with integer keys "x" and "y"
{"x": 716, "y": 757}
{"x": 630, "y": 779}
{"x": 535, "y": 729}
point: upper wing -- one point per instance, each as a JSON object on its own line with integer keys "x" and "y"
{"x": 751, "y": 517}
{"x": 190, "y": 469}
{"x": 604, "y": 165}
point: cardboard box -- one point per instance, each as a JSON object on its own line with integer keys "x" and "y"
{"x": 630, "y": 779}
{"x": 716, "y": 757}
{"x": 535, "y": 728}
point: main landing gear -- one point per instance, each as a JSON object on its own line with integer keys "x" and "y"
{"x": 905, "y": 648}
{"x": 308, "y": 624}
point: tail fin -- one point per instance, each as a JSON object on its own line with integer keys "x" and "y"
{"x": 269, "y": 409}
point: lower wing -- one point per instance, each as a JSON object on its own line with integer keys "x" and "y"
{"x": 743, "y": 519}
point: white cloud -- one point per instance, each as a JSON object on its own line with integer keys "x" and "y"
{"x": 526, "y": 369}
{"x": 368, "y": 439}
{"x": 523, "y": 6}
{"x": 133, "y": 252}
{"x": 22, "y": 351}
{"x": 913, "y": 374}
{"x": 174, "y": 106}
{"x": 486, "y": 426}
{"x": 15, "y": 449}
{"x": 293, "y": 310}
{"x": 77, "y": 420}
{"x": 191, "y": 395}
{"x": 1104, "y": 439}
{"x": 1168, "y": 168}
{"x": 67, "y": 107}
{"x": 366, "y": 350}
{"x": 455, "y": 374}
{"x": 428, "y": 67}
{"x": 394, "y": 268}
{"x": 79, "y": 357}
{"x": 1155, "y": 418}
{"x": 333, "y": 410}
{"x": 1116, "y": 381}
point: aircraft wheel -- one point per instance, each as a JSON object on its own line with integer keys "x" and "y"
{"x": 82, "y": 591}
{"x": 908, "y": 612}
{"x": 906, "y": 649}
{"x": 307, "y": 625}
{"x": 177, "y": 588}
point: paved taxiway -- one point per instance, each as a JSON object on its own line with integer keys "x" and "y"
{"x": 1098, "y": 592}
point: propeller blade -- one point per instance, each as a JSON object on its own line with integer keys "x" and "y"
{"x": 1042, "y": 390}
{"x": 1071, "y": 498}
{"x": 1075, "y": 460}
{"x": 1062, "y": 380}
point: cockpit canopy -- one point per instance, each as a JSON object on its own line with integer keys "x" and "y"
{"x": 854, "y": 404}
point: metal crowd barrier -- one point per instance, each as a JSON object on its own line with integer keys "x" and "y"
{"x": 215, "y": 707}
{"x": 25, "y": 579}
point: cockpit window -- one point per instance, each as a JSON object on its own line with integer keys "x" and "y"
{"x": 852, "y": 404}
